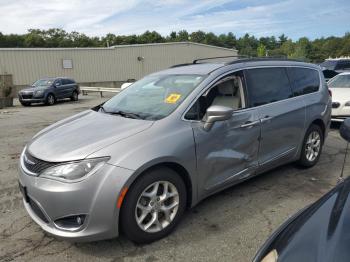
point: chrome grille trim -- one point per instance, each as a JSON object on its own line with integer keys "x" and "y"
{"x": 34, "y": 166}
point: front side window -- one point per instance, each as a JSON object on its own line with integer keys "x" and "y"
{"x": 304, "y": 80}
{"x": 153, "y": 97}
{"x": 267, "y": 85}
{"x": 340, "y": 81}
{"x": 226, "y": 92}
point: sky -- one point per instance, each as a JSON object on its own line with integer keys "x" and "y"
{"x": 295, "y": 18}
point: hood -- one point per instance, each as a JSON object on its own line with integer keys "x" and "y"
{"x": 77, "y": 137}
{"x": 320, "y": 233}
{"x": 28, "y": 89}
{"x": 341, "y": 95}
{"x": 32, "y": 88}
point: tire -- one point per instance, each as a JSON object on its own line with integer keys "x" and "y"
{"x": 307, "y": 159}
{"x": 25, "y": 103}
{"x": 75, "y": 96}
{"x": 50, "y": 100}
{"x": 146, "y": 184}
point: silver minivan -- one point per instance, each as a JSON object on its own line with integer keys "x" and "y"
{"x": 135, "y": 163}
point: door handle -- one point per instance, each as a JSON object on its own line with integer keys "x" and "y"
{"x": 250, "y": 124}
{"x": 266, "y": 119}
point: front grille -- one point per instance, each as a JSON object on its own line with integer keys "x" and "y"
{"x": 335, "y": 105}
{"x": 27, "y": 95}
{"x": 37, "y": 210}
{"x": 34, "y": 164}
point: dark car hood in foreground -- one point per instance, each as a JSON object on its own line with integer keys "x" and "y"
{"x": 320, "y": 233}
{"x": 77, "y": 137}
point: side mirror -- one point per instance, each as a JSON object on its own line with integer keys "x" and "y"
{"x": 216, "y": 113}
{"x": 57, "y": 84}
{"x": 344, "y": 129}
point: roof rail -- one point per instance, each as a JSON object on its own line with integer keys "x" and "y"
{"x": 178, "y": 65}
{"x": 267, "y": 58}
{"x": 241, "y": 59}
{"x": 218, "y": 57}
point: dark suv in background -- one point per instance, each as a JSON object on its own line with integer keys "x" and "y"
{"x": 49, "y": 90}
{"x": 332, "y": 67}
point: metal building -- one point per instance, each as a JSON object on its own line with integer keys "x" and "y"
{"x": 100, "y": 66}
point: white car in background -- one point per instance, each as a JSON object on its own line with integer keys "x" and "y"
{"x": 340, "y": 87}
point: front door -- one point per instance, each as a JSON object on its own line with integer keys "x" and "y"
{"x": 228, "y": 152}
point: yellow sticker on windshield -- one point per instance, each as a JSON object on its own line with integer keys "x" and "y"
{"x": 172, "y": 98}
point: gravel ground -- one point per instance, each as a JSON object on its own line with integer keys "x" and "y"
{"x": 229, "y": 226}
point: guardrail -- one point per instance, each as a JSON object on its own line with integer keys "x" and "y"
{"x": 86, "y": 89}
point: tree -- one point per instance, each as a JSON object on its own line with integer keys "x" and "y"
{"x": 261, "y": 50}
{"x": 315, "y": 51}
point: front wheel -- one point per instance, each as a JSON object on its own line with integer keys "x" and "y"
{"x": 50, "y": 100}
{"x": 312, "y": 146}
{"x": 74, "y": 96}
{"x": 153, "y": 205}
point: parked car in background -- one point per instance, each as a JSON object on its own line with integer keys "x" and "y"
{"x": 319, "y": 233}
{"x": 128, "y": 83}
{"x": 340, "y": 88}
{"x": 136, "y": 162}
{"x": 49, "y": 90}
{"x": 332, "y": 67}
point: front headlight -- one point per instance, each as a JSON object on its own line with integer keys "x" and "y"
{"x": 39, "y": 93}
{"x": 74, "y": 171}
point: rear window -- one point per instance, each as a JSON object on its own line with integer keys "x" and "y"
{"x": 267, "y": 85}
{"x": 304, "y": 80}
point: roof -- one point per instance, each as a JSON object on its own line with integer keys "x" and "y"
{"x": 111, "y": 47}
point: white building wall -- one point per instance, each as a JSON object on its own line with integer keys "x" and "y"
{"x": 115, "y": 64}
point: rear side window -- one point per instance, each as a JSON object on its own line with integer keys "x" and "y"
{"x": 304, "y": 80}
{"x": 267, "y": 85}
{"x": 65, "y": 82}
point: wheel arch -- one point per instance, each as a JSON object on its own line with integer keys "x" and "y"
{"x": 178, "y": 168}
{"x": 319, "y": 122}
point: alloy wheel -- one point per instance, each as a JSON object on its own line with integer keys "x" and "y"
{"x": 313, "y": 146}
{"x": 50, "y": 100}
{"x": 157, "y": 206}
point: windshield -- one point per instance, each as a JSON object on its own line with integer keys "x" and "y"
{"x": 153, "y": 97}
{"x": 330, "y": 65}
{"x": 43, "y": 82}
{"x": 340, "y": 81}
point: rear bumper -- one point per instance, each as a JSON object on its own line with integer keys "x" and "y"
{"x": 340, "y": 118}
{"x": 95, "y": 197}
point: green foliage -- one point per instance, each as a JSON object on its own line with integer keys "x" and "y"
{"x": 261, "y": 50}
{"x": 314, "y": 51}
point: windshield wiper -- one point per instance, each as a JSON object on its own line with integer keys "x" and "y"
{"x": 123, "y": 114}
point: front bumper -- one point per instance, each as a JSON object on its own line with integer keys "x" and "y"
{"x": 96, "y": 197}
{"x": 30, "y": 98}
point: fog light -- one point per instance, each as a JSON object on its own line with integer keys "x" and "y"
{"x": 70, "y": 223}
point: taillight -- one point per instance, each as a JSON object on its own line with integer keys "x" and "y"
{"x": 330, "y": 92}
